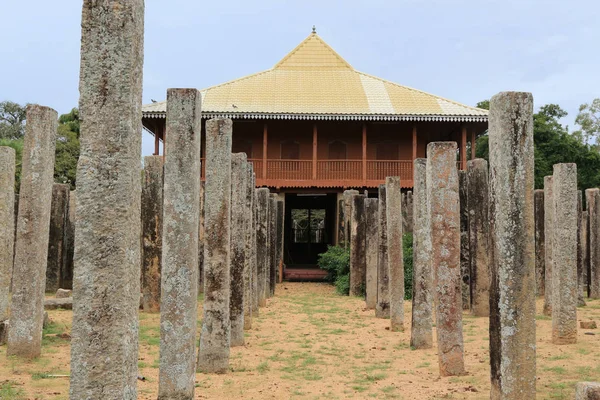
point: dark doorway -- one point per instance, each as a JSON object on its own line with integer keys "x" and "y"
{"x": 309, "y": 228}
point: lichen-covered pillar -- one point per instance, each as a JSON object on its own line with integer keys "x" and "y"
{"x": 179, "y": 273}
{"x": 348, "y": 213}
{"x": 357, "y": 246}
{"x": 540, "y": 241}
{"x": 106, "y": 282}
{"x": 249, "y": 260}
{"x": 152, "y": 216}
{"x": 272, "y": 245}
{"x": 280, "y": 219}
{"x": 444, "y": 224}
{"x": 262, "y": 244}
{"x": 465, "y": 245}
{"x": 56, "y": 240}
{"x": 549, "y": 236}
{"x": 201, "y": 239}
{"x": 66, "y": 275}
{"x": 587, "y": 391}
{"x": 580, "y": 251}
{"x": 238, "y": 247}
{"x": 33, "y": 226}
{"x": 395, "y": 252}
{"x": 382, "y": 309}
{"x": 512, "y": 295}
{"x": 564, "y": 273}
{"x": 585, "y": 252}
{"x": 341, "y": 239}
{"x": 7, "y": 227}
{"x": 215, "y": 337}
{"x": 254, "y": 242}
{"x": 371, "y": 244}
{"x": 407, "y": 212}
{"x": 421, "y": 335}
{"x": 479, "y": 235}
{"x": 593, "y": 207}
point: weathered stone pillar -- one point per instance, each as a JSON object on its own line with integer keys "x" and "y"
{"x": 372, "y": 247}
{"x": 407, "y": 212}
{"x": 256, "y": 274}
{"x": 395, "y": 251}
{"x": 444, "y": 219}
{"x": 479, "y": 235}
{"x": 201, "y": 239}
{"x": 33, "y": 226}
{"x": 580, "y": 251}
{"x": 587, "y": 391}
{"x": 549, "y": 236}
{"x": 262, "y": 244}
{"x": 593, "y": 206}
{"x": 280, "y": 233}
{"x": 382, "y": 309}
{"x": 249, "y": 259}
{"x": 215, "y": 338}
{"x": 421, "y": 335}
{"x": 540, "y": 242}
{"x": 56, "y": 240}
{"x": 238, "y": 247}
{"x": 357, "y": 246}
{"x": 152, "y": 217}
{"x": 465, "y": 245}
{"x": 512, "y": 296}
{"x": 179, "y": 274}
{"x": 585, "y": 252}
{"x": 66, "y": 275}
{"x": 341, "y": 239}
{"x": 348, "y": 213}
{"x": 564, "y": 274}
{"x": 272, "y": 245}
{"x": 7, "y": 227}
{"x": 106, "y": 282}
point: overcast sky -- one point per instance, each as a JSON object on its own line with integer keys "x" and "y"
{"x": 464, "y": 50}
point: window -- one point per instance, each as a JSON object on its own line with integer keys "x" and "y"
{"x": 308, "y": 226}
{"x": 337, "y": 150}
{"x": 290, "y": 150}
{"x": 387, "y": 151}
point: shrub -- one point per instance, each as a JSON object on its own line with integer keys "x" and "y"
{"x": 407, "y": 247}
{"x": 342, "y": 284}
{"x": 336, "y": 261}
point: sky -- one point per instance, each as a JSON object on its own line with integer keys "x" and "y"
{"x": 463, "y": 50}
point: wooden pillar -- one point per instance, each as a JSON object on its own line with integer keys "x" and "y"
{"x": 414, "y": 142}
{"x": 463, "y": 149}
{"x": 164, "y": 135}
{"x": 364, "y": 154}
{"x": 156, "y": 141}
{"x": 314, "y": 153}
{"x": 473, "y": 140}
{"x": 264, "y": 166}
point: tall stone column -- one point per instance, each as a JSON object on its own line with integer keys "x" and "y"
{"x": 33, "y": 226}
{"x": 465, "y": 245}
{"x": 256, "y": 273}
{"x": 564, "y": 274}
{"x": 56, "y": 240}
{"x": 512, "y": 296}
{"x": 152, "y": 217}
{"x": 479, "y": 235}
{"x": 348, "y": 213}
{"x": 549, "y": 237}
{"x": 7, "y": 227}
{"x": 341, "y": 239}
{"x": 66, "y": 275}
{"x": 421, "y": 335}
{"x": 444, "y": 219}
{"x": 593, "y": 207}
{"x": 371, "y": 244}
{"x": 215, "y": 338}
{"x": 585, "y": 252}
{"x": 580, "y": 251}
{"x": 540, "y": 241}
{"x": 249, "y": 260}
{"x": 106, "y": 282}
{"x": 280, "y": 233}
{"x": 179, "y": 274}
{"x": 201, "y": 239}
{"x": 357, "y": 246}
{"x": 272, "y": 245}
{"x": 262, "y": 245}
{"x": 238, "y": 247}
{"x": 395, "y": 252}
{"x": 382, "y": 309}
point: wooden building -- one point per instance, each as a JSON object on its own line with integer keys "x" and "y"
{"x": 313, "y": 126}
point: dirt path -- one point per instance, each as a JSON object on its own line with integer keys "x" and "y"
{"x": 310, "y": 343}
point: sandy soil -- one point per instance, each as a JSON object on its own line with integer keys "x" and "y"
{"x": 310, "y": 343}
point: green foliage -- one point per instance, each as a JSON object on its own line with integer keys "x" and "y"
{"x": 336, "y": 261}
{"x": 67, "y": 148}
{"x": 16, "y": 144}
{"x": 342, "y": 284}
{"x": 12, "y": 120}
{"x": 10, "y": 391}
{"x": 407, "y": 248}
{"x": 589, "y": 120}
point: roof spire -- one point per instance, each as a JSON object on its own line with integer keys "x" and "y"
{"x": 314, "y": 30}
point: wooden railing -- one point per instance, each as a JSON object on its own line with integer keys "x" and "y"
{"x": 339, "y": 170}
{"x": 380, "y": 169}
{"x": 295, "y": 170}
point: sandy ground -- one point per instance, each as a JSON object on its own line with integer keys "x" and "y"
{"x": 310, "y": 343}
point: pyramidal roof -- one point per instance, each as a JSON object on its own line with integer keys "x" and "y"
{"x": 315, "y": 82}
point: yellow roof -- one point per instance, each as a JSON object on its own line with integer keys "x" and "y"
{"x": 314, "y": 82}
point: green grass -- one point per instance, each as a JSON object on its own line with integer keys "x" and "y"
{"x": 8, "y": 391}
{"x": 263, "y": 367}
{"x": 150, "y": 335}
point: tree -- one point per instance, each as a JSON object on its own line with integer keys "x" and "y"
{"x": 589, "y": 120}
{"x": 12, "y": 120}
{"x": 67, "y": 148}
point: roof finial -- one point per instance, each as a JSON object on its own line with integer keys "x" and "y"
{"x": 314, "y": 30}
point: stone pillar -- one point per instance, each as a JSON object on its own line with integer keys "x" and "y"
{"x": 179, "y": 274}
{"x": 371, "y": 244}
{"x": 444, "y": 218}
{"x": 407, "y": 212}
{"x": 512, "y": 295}
{"x": 215, "y": 338}
{"x": 357, "y": 246}
{"x": 273, "y": 265}
{"x": 394, "y": 251}
{"x": 249, "y": 260}
{"x": 587, "y": 391}
{"x": 341, "y": 239}
{"x": 465, "y": 246}
{"x": 479, "y": 235}
{"x": 66, "y": 275}
{"x": 106, "y": 282}
{"x": 564, "y": 274}
{"x": 7, "y": 227}
{"x": 585, "y": 251}
{"x": 201, "y": 239}
{"x": 548, "y": 235}
{"x": 33, "y": 226}
{"x": 56, "y": 240}
{"x": 421, "y": 335}
{"x": 593, "y": 206}
{"x": 152, "y": 216}
{"x": 580, "y": 251}
{"x": 262, "y": 244}
{"x": 256, "y": 274}
{"x": 280, "y": 233}
{"x": 238, "y": 247}
{"x": 382, "y": 309}
{"x": 540, "y": 242}
{"x": 347, "y": 214}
